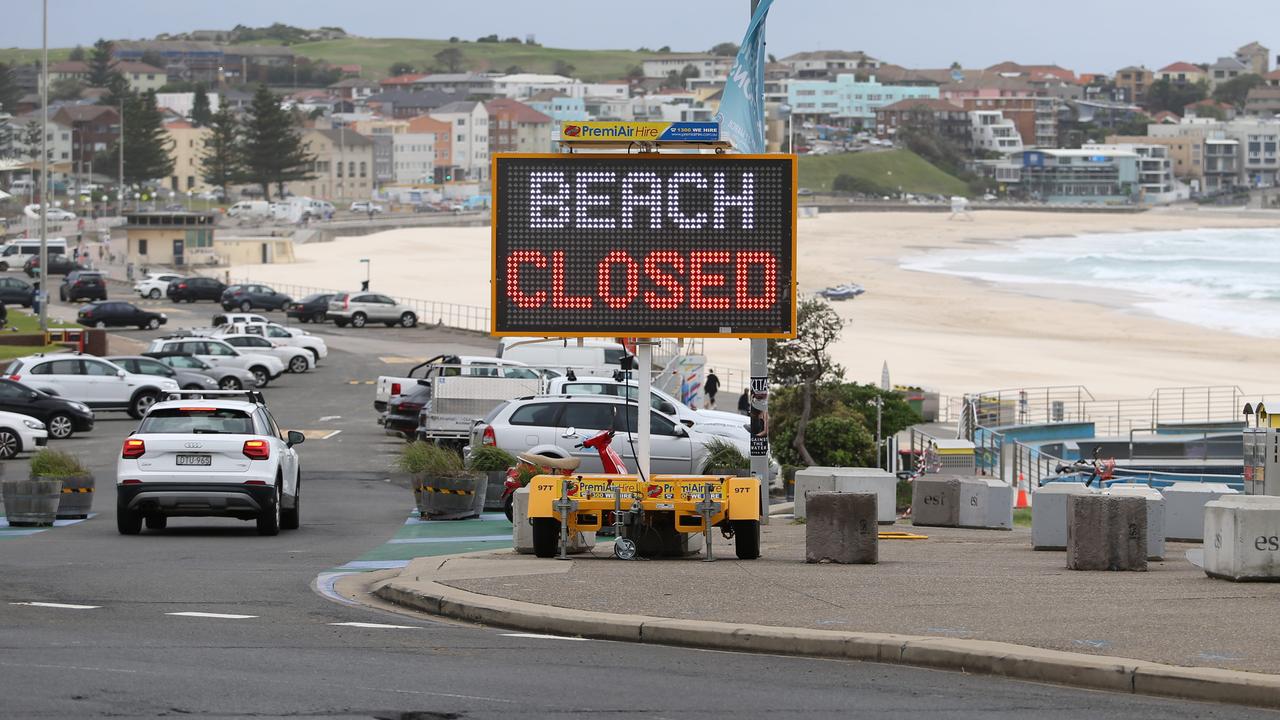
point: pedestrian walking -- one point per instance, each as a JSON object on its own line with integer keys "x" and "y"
{"x": 744, "y": 402}
{"x": 712, "y": 386}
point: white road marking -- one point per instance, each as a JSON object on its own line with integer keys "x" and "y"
{"x": 221, "y": 616}
{"x": 327, "y": 418}
{"x": 335, "y": 432}
{"x": 376, "y": 625}
{"x": 536, "y": 636}
{"x": 438, "y": 694}
{"x": 63, "y": 606}
{"x": 66, "y": 667}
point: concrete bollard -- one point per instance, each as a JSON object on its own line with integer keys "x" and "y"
{"x": 1155, "y": 514}
{"x": 1106, "y": 532}
{"x": 935, "y": 502}
{"x": 842, "y": 528}
{"x": 1242, "y": 538}
{"x": 985, "y": 503}
{"x": 1049, "y": 514}
{"x": 1184, "y": 508}
{"x": 522, "y": 532}
{"x": 850, "y": 480}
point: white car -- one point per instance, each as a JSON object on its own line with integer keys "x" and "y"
{"x": 209, "y": 453}
{"x": 213, "y": 351}
{"x": 295, "y": 359}
{"x": 20, "y": 433}
{"x": 365, "y": 207}
{"x": 60, "y": 215}
{"x": 361, "y": 308}
{"x": 711, "y": 422}
{"x": 154, "y": 285}
{"x": 234, "y": 317}
{"x": 98, "y": 383}
{"x": 279, "y": 335}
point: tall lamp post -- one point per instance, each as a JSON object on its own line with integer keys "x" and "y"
{"x": 44, "y": 168}
{"x": 367, "y": 266}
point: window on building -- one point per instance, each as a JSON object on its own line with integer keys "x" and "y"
{"x": 362, "y": 170}
{"x": 142, "y": 246}
{"x": 351, "y": 168}
{"x": 339, "y": 166}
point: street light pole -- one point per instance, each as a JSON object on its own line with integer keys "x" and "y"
{"x": 44, "y": 170}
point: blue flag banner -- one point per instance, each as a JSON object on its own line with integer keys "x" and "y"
{"x": 741, "y": 114}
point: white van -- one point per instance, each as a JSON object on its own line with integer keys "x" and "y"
{"x": 15, "y": 253}
{"x": 595, "y": 357}
{"x": 22, "y": 186}
{"x": 249, "y": 208}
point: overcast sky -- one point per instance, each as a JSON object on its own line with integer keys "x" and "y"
{"x": 1085, "y": 35}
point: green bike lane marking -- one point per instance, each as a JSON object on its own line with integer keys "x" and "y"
{"x": 429, "y": 538}
{"x": 8, "y": 531}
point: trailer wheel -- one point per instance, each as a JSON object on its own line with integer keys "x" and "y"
{"x": 746, "y": 539}
{"x": 546, "y": 537}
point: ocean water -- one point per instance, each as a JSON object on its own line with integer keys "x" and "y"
{"x": 1221, "y": 279}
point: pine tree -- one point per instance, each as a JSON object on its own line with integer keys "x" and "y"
{"x": 220, "y": 162}
{"x": 10, "y": 94}
{"x": 102, "y": 63}
{"x": 146, "y": 144}
{"x": 201, "y": 114}
{"x": 273, "y": 150}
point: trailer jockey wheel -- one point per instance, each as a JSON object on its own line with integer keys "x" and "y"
{"x": 624, "y": 549}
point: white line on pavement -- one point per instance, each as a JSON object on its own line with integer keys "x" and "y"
{"x": 62, "y": 606}
{"x": 536, "y": 636}
{"x": 221, "y": 616}
{"x": 376, "y": 625}
{"x": 66, "y": 667}
{"x": 335, "y": 432}
{"x": 327, "y": 418}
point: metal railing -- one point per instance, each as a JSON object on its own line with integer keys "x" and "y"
{"x": 453, "y": 315}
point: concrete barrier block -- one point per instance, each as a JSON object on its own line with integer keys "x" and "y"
{"x": 1155, "y": 514}
{"x": 842, "y": 528}
{"x": 985, "y": 503}
{"x": 1106, "y": 532}
{"x": 849, "y": 479}
{"x": 1242, "y": 538}
{"x": 935, "y": 502}
{"x": 1049, "y": 514}
{"x": 1184, "y": 508}
{"x": 809, "y": 480}
{"x": 522, "y": 532}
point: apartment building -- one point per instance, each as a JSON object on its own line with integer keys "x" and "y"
{"x": 1132, "y": 83}
{"x": 1155, "y": 168}
{"x": 186, "y": 146}
{"x": 516, "y": 127}
{"x": 827, "y": 64}
{"x": 1182, "y": 73}
{"x": 660, "y": 66}
{"x": 343, "y": 165}
{"x": 423, "y": 152}
{"x": 941, "y": 116}
{"x": 469, "y": 135}
{"x": 1256, "y": 57}
{"x": 1186, "y": 154}
{"x": 991, "y": 131}
{"x": 847, "y": 101}
{"x": 1080, "y": 176}
{"x": 521, "y": 86}
{"x": 141, "y": 76}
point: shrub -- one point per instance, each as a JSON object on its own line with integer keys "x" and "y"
{"x": 421, "y": 458}
{"x": 840, "y": 441}
{"x": 723, "y": 454}
{"x": 488, "y": 458}
{"x": 56, "y": 463}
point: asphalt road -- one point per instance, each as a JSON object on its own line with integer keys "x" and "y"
{"x": 271, "y": 645}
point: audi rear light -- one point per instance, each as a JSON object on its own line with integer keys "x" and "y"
{"x": 257, "y": 450}
{"x": 489, "y": 437}
{"x": 395, "y": 388}
{"x": 133, "y": 449}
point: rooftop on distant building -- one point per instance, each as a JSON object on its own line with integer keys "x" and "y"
{"x": 1182, "y": 67}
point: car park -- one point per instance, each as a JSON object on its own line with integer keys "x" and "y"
{"x": 154, "y": 285}
{"x": 265, "y": 368}
{"x": 249, "y": 297}
{"x": 186, "y": 379}
{"x": 117, "y": 313}
{"x": 58, "y": 265}
{"x": 19, "y": 434}
{"x": 83, "y": 285}
{"x": 195, "y": 288}
{"x": 361, "y": 308}
{"x": 295, "y": 359}
{"x": 312, "y": 308}
{"x": 226, "y": 377}
{"x": 219, "y": 454}
{"x": 97, "y": 383}
{"x": 62, "y": 418}
{"x": 16, "y": 291}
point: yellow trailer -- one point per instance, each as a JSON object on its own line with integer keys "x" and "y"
{"x": 663, "y": 504}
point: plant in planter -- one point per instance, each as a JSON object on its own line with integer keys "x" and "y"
{"x": 724, "y": 458}
{"x": 442, "y": 486}
{"x": 494, "y": 462}
{"x": 76, "y": 493}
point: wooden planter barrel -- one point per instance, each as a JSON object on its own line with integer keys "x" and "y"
{"x": 31, "y": 503}
{"x": 77, "y": 495}
{"x": 450, "y": 497}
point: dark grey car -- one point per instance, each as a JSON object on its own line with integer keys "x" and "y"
{"x": 228, "y": 378}
{"x": 186, "y": 379}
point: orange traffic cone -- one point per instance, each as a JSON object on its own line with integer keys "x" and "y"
{"x": 1024, "y": 499}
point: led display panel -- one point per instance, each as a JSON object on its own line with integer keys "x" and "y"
{"x": 644, "y": 245}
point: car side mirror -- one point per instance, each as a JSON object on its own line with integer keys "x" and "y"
{"x": 120, "y": 373}
{"x": 296, "y": 438}
{"x": 682, "y": 431}
{"x": 667, "y": 408}
{"x": 33, "y": 396}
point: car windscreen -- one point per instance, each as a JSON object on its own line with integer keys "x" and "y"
{"x": 197, "y": 420}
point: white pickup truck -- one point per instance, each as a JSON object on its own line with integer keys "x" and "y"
{"x": 449, "y": 365}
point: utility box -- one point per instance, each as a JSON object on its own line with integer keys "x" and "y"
{"x": 1262, "y": 459}
{"x": 881, "y": 483}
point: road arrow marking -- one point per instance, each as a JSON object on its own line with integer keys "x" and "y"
{"x": 222, "y": 616}
{"x": 376, "y": 625}
{"x": 62, "y": 606}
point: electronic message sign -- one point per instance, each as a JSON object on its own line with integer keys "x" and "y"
{"x": 644, "y": 245}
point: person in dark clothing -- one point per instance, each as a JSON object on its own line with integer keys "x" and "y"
{"x": 712, "y": 386}
{"x": 744, "y": 402}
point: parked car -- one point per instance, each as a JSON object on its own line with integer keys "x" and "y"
{"x": 61, "y": 417}
{"x": 154, "y": 285}
{"x": 195, "y": 288}
{"x": 98, "y": 383}
{"x": 226, "y": 318}
{"x": 186, "y": 379}
{"x": 711, "y": 422}
{"x": 225, "y": 376}
{"x": 83, "y": 285}
{"x": 116, "y": 313}
{"x": 295, "y": 359}
{"x": 248, "y": 297}
{"x": 265, "y": 368}
{"x": 58, "y": 265}
{"x": 19, "y": 434}
{"x": 312, "y": 308}
{"x": 362, "y": 308}
{"x": 278, "y": 335}
{"x": 401, "y": 418}
{"x": 59, "y": 215}
{"x": 16, "y": 291}
{"x": 366, "y": 207}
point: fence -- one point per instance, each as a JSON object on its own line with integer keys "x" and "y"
{"x": 454, "y": 315}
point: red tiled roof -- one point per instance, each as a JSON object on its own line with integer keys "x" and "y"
{"x": 516, "y": 109}
{"x": 934, "y": 104}
{"x": 1182, "y": 67}
{"x": 401, "y": 80}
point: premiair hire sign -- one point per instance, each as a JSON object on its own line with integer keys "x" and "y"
{"x": 644, "y": 245}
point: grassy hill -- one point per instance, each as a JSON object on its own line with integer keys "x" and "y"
{"x": 891, "y": 168}
{"x": 22, "y": 56}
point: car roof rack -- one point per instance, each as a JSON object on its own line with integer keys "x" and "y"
{"x": 254, "y": 396}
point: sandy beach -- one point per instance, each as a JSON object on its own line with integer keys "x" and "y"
{"x": 952, "y": 334}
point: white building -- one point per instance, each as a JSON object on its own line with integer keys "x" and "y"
{"x": 713, "y": 66}
{"x": 1155, "y": 169}
{"x": 470, "y": 137}
{"x": 59, "y": 138}
{"x": 993, "y": 132}
{"x": 523, "y": 85}
{"x": 182, "y": 103}
{"x": 413, "y": 157}
{"x": 611, "y": 90}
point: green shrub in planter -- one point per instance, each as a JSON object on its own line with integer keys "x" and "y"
{"x": 422, "y": 458}
{"x": 56, "y": 463}
{"x": 723, "y": 457}
{"x": 490, "y": 459}
{"x": 442, "y": 486}
{"x": 76, "y": 496}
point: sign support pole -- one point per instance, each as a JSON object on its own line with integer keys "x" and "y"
{"x": 760, "y": 368}
{"x": 644, "y": 365}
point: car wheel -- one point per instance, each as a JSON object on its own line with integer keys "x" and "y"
{"x": 10, "y": 444}
{"x": 291, "y": 518}
{"x": 269, "y": 519}
{"x": 153, "y": 323}
{"x": 60, "y": 426}
{"x": 4, "y": 267}
{"x": 318, "y": 318}
{"x": 230, "y": 383}
{"x": 358, "y": 320}
{"x": 100, "y": 325}
{"x": 62, "y": 295}
{"x": 154, "y": 294}
{"x": 128, "y": 522}
{"x": 298, "y": 364}
{"x": 156, "y": 521}
{"x": 142, "y": 402}
{"x": 408, "y": 320}
{"x": 246, "y": 306}
{"x": 261, "y": 375}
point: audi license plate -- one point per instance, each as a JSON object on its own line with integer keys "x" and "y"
{"x": 194, "y": 459}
